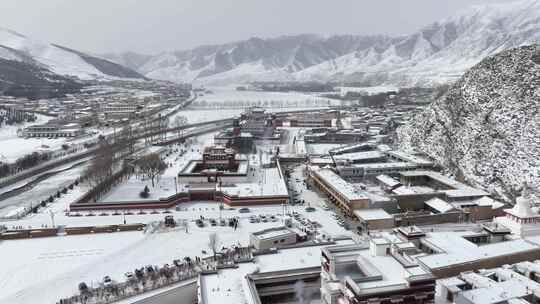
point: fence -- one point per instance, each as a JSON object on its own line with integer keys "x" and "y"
{"x": 49, "y": 232}
{"x": 150, "y": 278}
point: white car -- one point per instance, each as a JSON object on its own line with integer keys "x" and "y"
{"x": 130, "y": 276}
{"x": 107, "y": 281}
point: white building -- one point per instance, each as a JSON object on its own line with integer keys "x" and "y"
{"x": 512, "y": 284}
{"x": 53, "y": 130}
{"x": 272, "y": 238}
{"x": 373, "y": 273}
{"x": 522, "y": 220}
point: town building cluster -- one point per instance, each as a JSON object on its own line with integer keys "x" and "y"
{"x": 97, "y": 105}
{"x": 327, "y": 209}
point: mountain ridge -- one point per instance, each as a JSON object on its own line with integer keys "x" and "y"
{"x": 35, "y": 69}
{"x": 437, "y": 53}
{"x": 60, "y": 60}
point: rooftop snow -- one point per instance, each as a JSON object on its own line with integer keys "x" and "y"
{"x": 387, "y": 180}
{"x": 340, "y": 185}
{"x": 372, "y": 214}
{"x": 458, "y": 250}
{"x": 440, "y": 205}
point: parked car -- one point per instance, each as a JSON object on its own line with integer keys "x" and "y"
{"x": 244, "y": 210}
{"x": 169, "y": 221}
{"x": 213, "y": 222}
{"x": 150, "y": 269}
{"x": 139, "y": 273}
{"x": 83, "y": 288}
{"x": 199, "y": 223}
{"x": 130, "y": 276}
{"x": 107, "y": 281}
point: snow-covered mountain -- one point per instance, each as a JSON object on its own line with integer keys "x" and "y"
{"x": 438, "y": 53}
{"x": 59, "y": 60}
{"x": 486, "y": 128}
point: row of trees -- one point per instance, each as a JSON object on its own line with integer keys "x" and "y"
{"x": 151, "y": 166}
{"x": 178, "y": 122}
{"x": 23, "y": 163}
{"x": 100, "y": 172}
{"x": 11, "y": 117}
{"x": 101, "y": 167}
{"x": 284, "y": 103}
{"x": 108, "y": 152}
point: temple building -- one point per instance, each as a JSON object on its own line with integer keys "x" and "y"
{"x": 522, "y": 220}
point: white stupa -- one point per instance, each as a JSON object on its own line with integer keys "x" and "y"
{"x": 521, "y": 219}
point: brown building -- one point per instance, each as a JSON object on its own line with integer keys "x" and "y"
{"x": 313, "y": 120}
{"x": 219, "y": 157}
{"x": 340, "y": 192}
{"x": 374, "y": 219}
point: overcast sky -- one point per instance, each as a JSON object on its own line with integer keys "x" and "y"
{"x": 152, "y": 26}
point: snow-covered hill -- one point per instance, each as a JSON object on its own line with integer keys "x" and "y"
{"x": 59, "y": 60}
{"x": 486, "y": 128}
{"x": 438, "y": 53}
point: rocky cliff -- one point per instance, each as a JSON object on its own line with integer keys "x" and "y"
{"x": 486, "y": 128}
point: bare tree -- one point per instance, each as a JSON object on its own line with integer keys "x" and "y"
{"x": 101, "y": 167}
{"x": 126, "y": 139}
{"x": 178, "y": 122}
{"x": 151, "y": 166}
{"x": 213, "y": 243}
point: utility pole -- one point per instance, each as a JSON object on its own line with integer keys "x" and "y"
{"x": 51, "y": 213}
{"x": 222, "y": 198}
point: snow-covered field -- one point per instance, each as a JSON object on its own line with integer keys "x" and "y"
{"x": 202, "y": 115}
{"x": 56, "y": 265}
{"x": 7, "y": 132}
{"x": 226, "y": 102}
{"x": 14, "y": 147}
{"x": 195, "y": 116}
{"x": 229, "y": 97}
{"x": 368, "y": 90}
{"x": 165, "y": 186}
